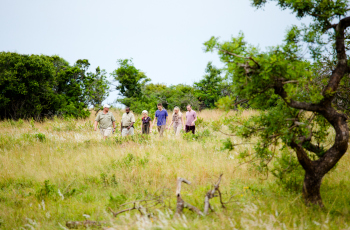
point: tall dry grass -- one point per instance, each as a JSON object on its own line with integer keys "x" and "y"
{"x": 92, "y": 175}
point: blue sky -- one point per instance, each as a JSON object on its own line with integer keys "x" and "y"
{"x": 164, "y": 38}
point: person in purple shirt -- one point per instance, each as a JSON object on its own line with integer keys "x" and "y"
{"x": 191, "y": 118}
{"x": 161, "y": 116}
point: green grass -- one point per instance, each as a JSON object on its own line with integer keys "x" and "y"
{"x": 72, "y": 172}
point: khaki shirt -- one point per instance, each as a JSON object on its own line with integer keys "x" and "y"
{"x": 127, "y": 119}
{"x": 105, "y": 120}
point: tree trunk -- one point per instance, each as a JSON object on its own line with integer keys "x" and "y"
{"x": 311, "y": 189}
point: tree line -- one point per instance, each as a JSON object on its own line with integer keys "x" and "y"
{"x": 139, "y": 93}
{"x": 39, "y": 86}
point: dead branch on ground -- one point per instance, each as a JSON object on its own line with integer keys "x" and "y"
{"x": 181, "y": 204}
{"x": 143, "y": 206}
{"x": 211, "y": 194}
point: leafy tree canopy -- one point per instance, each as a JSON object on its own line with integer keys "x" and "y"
{"x": 42, "y": 86}
{"x": 210, "y": 88}
{"x": 130, "y": 79}
{"x": 304, "y": 111}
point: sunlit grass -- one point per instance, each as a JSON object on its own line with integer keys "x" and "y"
{"x": 92, "y": 175}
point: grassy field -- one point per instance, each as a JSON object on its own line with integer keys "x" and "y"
{"x": 61, "y": 170}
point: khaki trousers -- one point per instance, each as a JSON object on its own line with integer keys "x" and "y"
{"x": 161, "y": 130}
{"x": 177, "y": 130}
{"x": 106, "y": 132}
{"x": 126, "y": 132}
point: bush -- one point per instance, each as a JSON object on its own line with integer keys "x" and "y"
{"x": 40, "y": 136}
{"x": 201, "y": 123}
{"x": 288, "y": 171}
{"x": 47, "y": 191}
{"x": 225, "y": 103}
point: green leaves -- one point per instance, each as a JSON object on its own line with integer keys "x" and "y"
{"x": 26, "y": 85}
{"x": 95, "y": 87}
{"x": 41, "y": 86}
{"x": 210, "y": 88}
{"x": 130, "y": 79}
{"x": 170, "y": 96}
{"x": 320, "y": 10}
{"x": 210, "y": 44}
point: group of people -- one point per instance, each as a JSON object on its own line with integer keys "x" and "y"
{"x": 107, "y": 124}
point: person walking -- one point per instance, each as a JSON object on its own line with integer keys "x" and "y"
{"x": 191, "y": 118}
{"x": 127, "y": 123}
{"x": 106, "y": 120}
{"x": 177, "y": 120}
{"x": 161, "y": 116}
{"x": 146, "y": 123}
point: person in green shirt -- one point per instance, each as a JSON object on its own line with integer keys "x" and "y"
{"x": 106, "y": 120}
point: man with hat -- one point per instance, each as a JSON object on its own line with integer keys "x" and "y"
{"x": 106, "y": 120}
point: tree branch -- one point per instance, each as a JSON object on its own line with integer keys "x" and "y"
{"x": 181, "y": 204}
{"x": 210, "y": 195}
{"x": 241, "y": 101}
{"x": 233, "y": 54}
{"x": 279, "y": 90}
{"x": 291, "y": 81}
{"x": 303, "y": 159}
{"x": 342, "y": 68}
{"x": 125, "y": 210}
{"x": 193, "y": 209}
{"x": 179, "y": 181}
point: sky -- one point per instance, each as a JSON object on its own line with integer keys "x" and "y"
{"x": 165, "y": 38}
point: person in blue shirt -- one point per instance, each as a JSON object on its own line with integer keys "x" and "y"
{"x": 161, "y": 116}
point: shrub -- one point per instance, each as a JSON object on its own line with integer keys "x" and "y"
{"x": 200, "y": 122}
{"x": 47, "y": 191}
{"x": 288, "y": 171}
{"x": 225, "y": 103}
{"x": 40, "y": 136}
